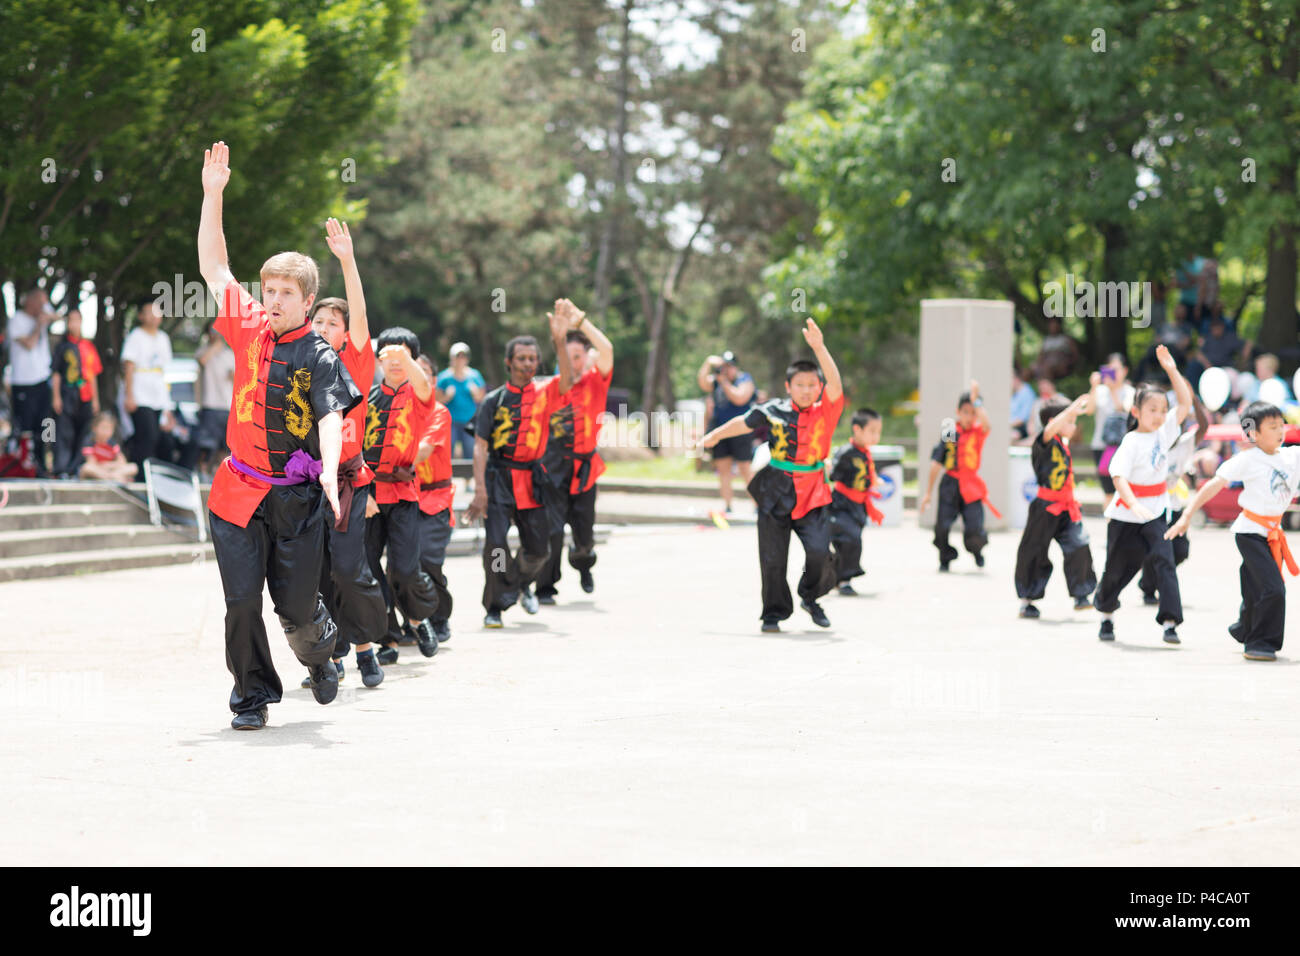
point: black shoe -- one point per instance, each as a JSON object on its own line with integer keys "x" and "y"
{"x": 306, "y": 682}
{"x": 816, "y": 613}
{"x": 408, "y": 636}
{"x": 386, "y": 655}
{"x": 1259, "y": 655}
{"x": 250, "y": 720}
{"x": 528, "y": 600}
{"x": 943, "y": 565}
{"x": 372, "y": 675}
{"x": 443, "y": 630}
{"x": 979, "y": 560}
{"x": 324, "y": 682}
{"x": 847, "y": 589}
{"x": 771, "y": 627}
{"x": 492, "y": 619}
{"x": 428, "y": 638}
{"x": 1235, "y": 630}
{"x": 1029, "y": 611}
{"x": 1150, "y": 600}
{"x": 1171, "y": 635}
{"x": 588, "y": 584}
{"x": 339, "y": 666}
{"x": 1083, "y": 604}
{"x": 1107, "y": 632}
{"x": 546, "y": 597}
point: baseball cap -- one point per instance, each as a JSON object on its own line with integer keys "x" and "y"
{"x": 458, "y": 348}
{"x": 728, "y": 357}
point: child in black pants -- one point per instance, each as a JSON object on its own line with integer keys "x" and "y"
{"x": 853, "y": 474}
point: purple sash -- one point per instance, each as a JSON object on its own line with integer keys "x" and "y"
{"x": 301, "y": 467}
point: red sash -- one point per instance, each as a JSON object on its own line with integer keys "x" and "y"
{"x": 1062, "y": 500}
{"x": 1143, "y": 491}
{"x": 863, "y": 498}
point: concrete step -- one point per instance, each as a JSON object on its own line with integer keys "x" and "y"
{"x": 112, "y": 559}
{"x": 28, "y": 517}
{"x": 36, "y": 541}
{"x": 25, "y": 493}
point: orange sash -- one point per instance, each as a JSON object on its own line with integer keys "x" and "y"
{"x": 1276, "y": 540}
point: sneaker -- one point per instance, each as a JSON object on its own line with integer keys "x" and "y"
{"x": 979, "y": 560}
{"x": 1029, "y": 611}
{"x": 1083, "y": 604}
{"x": 546, "y": 597}
{"x": 588, "y": 583}
{"x": 847, "y": 589}
{"x": 1150, "y": 600}
{"x": 1260, "y": 655}
{"x": 492, "y": 619}
{"x": 408, "y": 636}
{"x": 1107, "y": 632}
{"x": 428, "y": 638}
{"x": 816, "y": 613}
{"x": 372, "y": 675}
{"x": 324, "y": 682}
{"x": 250, "y": 720}
{"x": 1171, "y": 635}
{"x": 386, "y": 655}
{"x": 771, "y": 627}
{"x": 528, "y": 600}
{"x": 443, "y": 630}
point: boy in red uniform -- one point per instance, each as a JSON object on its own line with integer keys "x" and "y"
{"x": 572, "y": 464}
{"x": 962, "y": 490}
{"x": 347, "y": 584}
{"x": 853, "y": 478}
{"x": 267, "y": 512}
{"x": 75, "y": 395}
{"x": 510, "y": 432}
{"x": 399, "y": 412}
{"x": 791, "y": 491}
{"x": 433, "y": 473}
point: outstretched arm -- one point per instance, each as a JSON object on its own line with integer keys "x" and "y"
{"x": 1181, "y": 387}
{"x": 339, "y": 239}
{"x": 579, "y": 322}
{"x": 214, "y": 264}
{"x": 559, "y": 327}
{"x": 1203, "y": 494}
{"x": 729, "y": 429}
{"x": 1077, "y": 408}
{"x": 834, "y": 386}
{"x": 981, "y": 413}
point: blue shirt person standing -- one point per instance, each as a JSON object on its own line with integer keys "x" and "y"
{"x": 461, "y": 388}
{"x": 731, "y": 393}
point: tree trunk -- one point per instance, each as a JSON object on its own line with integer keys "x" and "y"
{"x": 613, "y": 213}
{"x": 1112, "y": 334}
{"x": 488, "y": 350}
{"x": 109, "y": 336}
{"x": 1277, "y": 332}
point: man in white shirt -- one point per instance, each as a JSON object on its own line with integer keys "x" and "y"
{"x": 145, "y": 355}
{"x": 29, "y": 370}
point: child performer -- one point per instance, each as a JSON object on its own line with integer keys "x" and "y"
{"x": 400, "y": 408}
{"x": 1180, "y": 461}
{"x": 433, "y": 472}
{"x": 1270, "y": 475}
{"x": 791, "y": 491}
{"x": 853, "y": 476}
{"x": 961, "y": 490}
{"x": 267, "y": 512}
{"x": 1140, "y": 470}
{"x": 1054, "y": 513}
{"x": 103, "y": 459}
{"x": 572, "y": 465}
{"x": 348, "y": 585}
{"x": 510, "y": 434}
{"x": 74, "y": 393}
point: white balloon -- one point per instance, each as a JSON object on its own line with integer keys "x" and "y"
{"x": 1215, "y": 388}
{"x": 1273, "y": 391}
{"x": 1295, "y": 383}
{"x": 1245, "y": 383}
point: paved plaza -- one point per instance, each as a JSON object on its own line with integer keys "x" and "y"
{"x": 652, "y": 723}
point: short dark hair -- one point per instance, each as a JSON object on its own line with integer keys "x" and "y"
{"x": 1052, "y": 407}
{"x": 864, "y": 417}
{"x": 333, "y": 302}
{"x": 517, "y": 341}
{"x": 573, "y": 335}
{"x": 398, "y": 336}
{"x": 963, "y": 399}
{"x": 1256, "y": 413}
{"x": 801, "y": 365}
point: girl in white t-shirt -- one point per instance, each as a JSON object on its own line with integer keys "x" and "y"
{"x": 1136, "y": 532}
{"x": 1270, "y": 475}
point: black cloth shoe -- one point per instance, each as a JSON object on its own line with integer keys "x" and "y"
{"x": 943, "y": 565}
{"x": 428, "y": 638}
{"x": 816, "y": 613}
{"x": 372, "y": 675}
{"x": 588, "y": 584}
{"x": 772, "y": 627}
{"x": 306, "y": 682}
{"x": 492, "y": 619}
{"x": 443, "y": 630}
{"x": 250, "y": 720}
{"x": 1107, "y": 632}
{"x": 847, "y": 589}
{"x": 386, "y": 655}
{"x": 1083, "y": 604}
{"x": 528, "y": 600}
{"x": 1262, "y": 654}
{"x": 547, "y": 598}
{"x": 1150, "y": 600}
{"x": 339, "y": 666}
{"x": 1171, "y": 635}
{"x": 979, "y": 560}
{"x": 324, "y": 682}
{"x": 1029, "y": 611}
{"x": 408, "y": 635}
{"x": 1235, "y": 630}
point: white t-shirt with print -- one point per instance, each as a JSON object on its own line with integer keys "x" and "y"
{"x": 150, "y": 353}
{"x": 1269, "y": 481}
{"x": 1142, "y": 458}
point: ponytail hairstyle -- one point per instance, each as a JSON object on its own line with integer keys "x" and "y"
{"x": 1145, "y": 391}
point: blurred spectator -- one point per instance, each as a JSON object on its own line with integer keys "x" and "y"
{"x": 1159, "y": 304}
{"x": 1266, "y": 367}
{"x": 74, "y": 393}
{"x": 1187, "y": 279}
{"x": 1207, "y": 292}
{"x": 102, "y": 457}
{"x": 145, "y": 355}
{"x": 29, "y": 370}
{"x": 1022, "y": 402}
{"x": 216, "y": 389}
{"x": 732, "y": 393}
{"x": 1112, "y": 397}
{"x": 1046, "y": 389}
{"x": 1058, "y": 355}
{"x": 178, "y": 440}
{"x": 461, "y": 388}
{"x": 1220, "y": 347}
{"x": 1176, "y": 336}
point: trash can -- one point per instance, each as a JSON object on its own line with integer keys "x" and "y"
{"x": 1024, "y": 487}
{"x": 888, "y": 460}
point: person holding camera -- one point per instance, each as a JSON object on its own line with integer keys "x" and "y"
{"x": 731, "y": 393}
{"x": 1112, "y": 397}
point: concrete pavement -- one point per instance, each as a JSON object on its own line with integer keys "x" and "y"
{"x": 653, "y": 723}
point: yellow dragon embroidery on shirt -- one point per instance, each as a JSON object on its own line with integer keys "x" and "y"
{"x": 73, "y": 373}
{"x": 780, "y": 440}
{"x": 401, "y": 429}
{"x": 298, "y": 417}
{"x": 859, "y": 474}
{"x": 1060, "y": 467}
{"x": 818, "y": 440}
{"x": 244, "y": 398}
{"x": 372, "y": 428}
{"x": 501, "y": 430}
